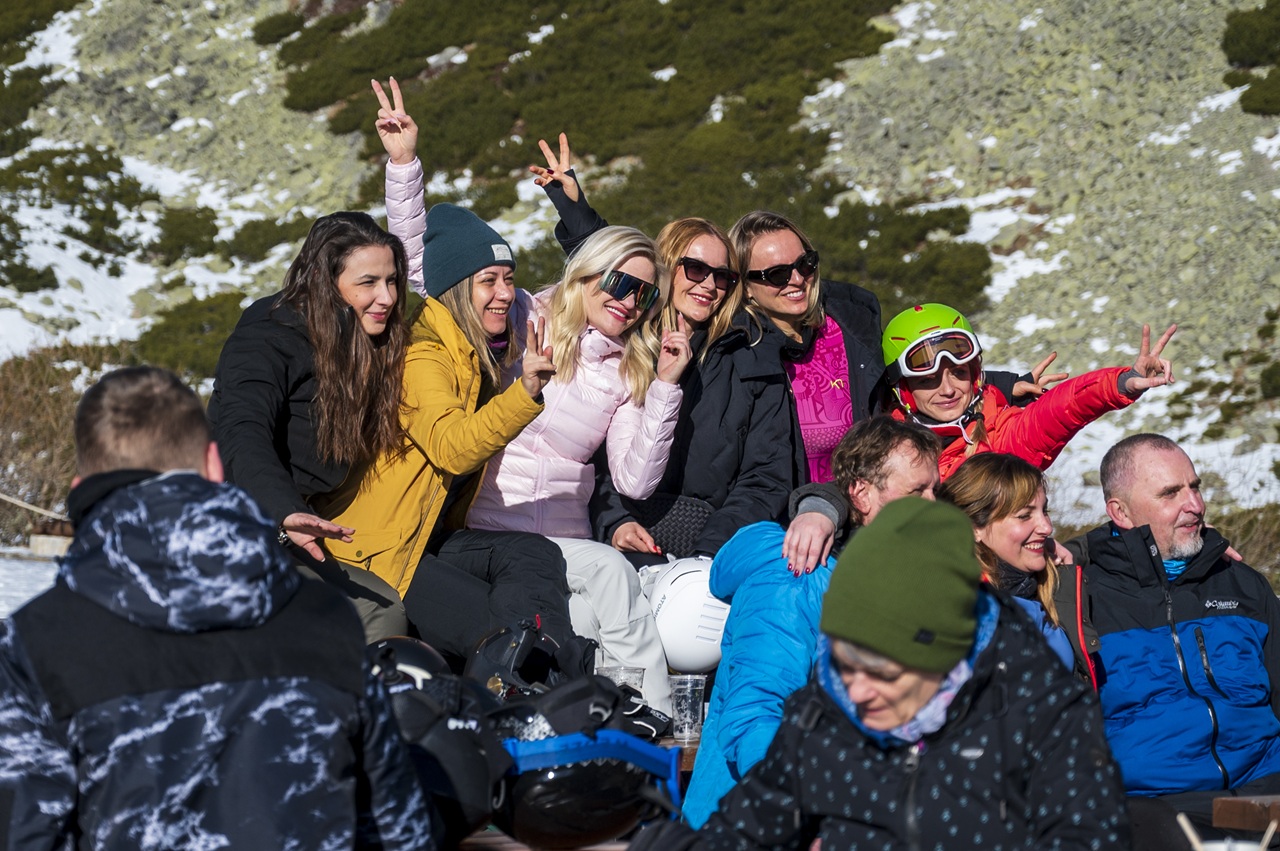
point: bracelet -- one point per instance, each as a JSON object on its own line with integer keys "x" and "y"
{"x": 282, "y": 537}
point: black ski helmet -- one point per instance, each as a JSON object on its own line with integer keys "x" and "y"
{"x": 459, "y": 760}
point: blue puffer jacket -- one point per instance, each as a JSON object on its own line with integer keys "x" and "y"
{"x": 1189, "y": 668}
{"x": 768, "y": 649}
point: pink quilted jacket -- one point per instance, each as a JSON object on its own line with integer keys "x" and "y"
{"x": 543, "y": 480}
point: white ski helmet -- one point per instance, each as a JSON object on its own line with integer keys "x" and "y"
{"x": 690, "y": 620}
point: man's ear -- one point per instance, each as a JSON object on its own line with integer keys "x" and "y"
{"x": 213, "y": 465}
{"x": 860, "y": 499}
{"x": 1119, "y": 513}
{"x": 75, "y": 483}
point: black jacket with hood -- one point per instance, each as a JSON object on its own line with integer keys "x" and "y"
{"x": 183, "y": 687}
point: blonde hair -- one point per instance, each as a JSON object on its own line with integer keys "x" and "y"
{"x": 744, "y": 234}
{"x": 673, "y": 241}
{"x": 990, "y": 487}
{"x": 606, "y": 249}
{"x": 457, "y": 300}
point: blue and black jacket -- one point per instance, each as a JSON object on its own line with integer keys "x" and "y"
{"x": 1188, "y": 668}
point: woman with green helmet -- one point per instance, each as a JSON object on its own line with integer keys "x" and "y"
{"x": 933, "y": 366}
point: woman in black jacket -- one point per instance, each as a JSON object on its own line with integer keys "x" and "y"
{"x": 307, "y": 392}
{"x": 935, "y": 718}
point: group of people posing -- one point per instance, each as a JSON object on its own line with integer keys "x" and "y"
{"x": 500, "y": 457}
{"x": 908, "y": 659}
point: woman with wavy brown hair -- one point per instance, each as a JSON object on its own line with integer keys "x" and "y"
{"x": 308, "y": 391}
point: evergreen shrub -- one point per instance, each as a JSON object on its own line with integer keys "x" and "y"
{"x": 188, "y": 338}
{"x": 185, "y": 232}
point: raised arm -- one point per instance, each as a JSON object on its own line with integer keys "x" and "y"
{"x": 577, "y": 218}
{"x": 406, "y": 210}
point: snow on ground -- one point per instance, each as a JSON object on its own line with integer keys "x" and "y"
{"x": 21, "y": 578}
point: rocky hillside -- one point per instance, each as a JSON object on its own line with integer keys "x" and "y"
{"x": 1124, "y": 186}
{"x": 1109, "y": 170}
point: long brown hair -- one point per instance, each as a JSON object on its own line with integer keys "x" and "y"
{"x": 992, "y": 486}
{"x": 744, "y": 234}
{"x": 356, "y": 409}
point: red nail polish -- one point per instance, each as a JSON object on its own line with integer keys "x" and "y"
{"x": 549, "y": 171}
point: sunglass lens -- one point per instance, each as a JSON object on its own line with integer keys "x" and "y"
{"x": 695, "y": 270}
{"x": 808, "y": 263}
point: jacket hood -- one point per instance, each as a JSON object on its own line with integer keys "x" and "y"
{"x": 180, "y": 554}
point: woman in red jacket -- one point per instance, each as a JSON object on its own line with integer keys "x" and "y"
{"x": 933, "y": 365}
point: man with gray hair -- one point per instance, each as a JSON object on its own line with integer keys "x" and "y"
{"x": 1188, "y": 668}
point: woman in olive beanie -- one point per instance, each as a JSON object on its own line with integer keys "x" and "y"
{"x": 936, "y": 717}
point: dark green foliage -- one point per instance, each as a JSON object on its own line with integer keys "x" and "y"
{"x": 22, "y": 18}
{"x": 255, "y": 238}
{"x": 26, "y": 279}
{"x": 1263, "y": 96}
{"x": 593, "y": 78}
{"x": 541, "y": 265}
{"x": 1252, "y": 38}
{"x": 1270, "y": 382}
{"x": 275, "y": 28}
{"x": 319, "y": 39}
{"x": 188, "y": 338}
{"x": 21, "y": 92}
{"x": 185, "y": 232}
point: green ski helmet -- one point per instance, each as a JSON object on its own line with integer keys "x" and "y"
{"x": 916, "y": 341}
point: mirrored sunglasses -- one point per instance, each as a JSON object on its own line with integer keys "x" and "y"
{"x": 780, "y": 276}
{"x": 620, "y": 285}
{"x": 924, "y": 356}
{"x": 697, "y": 271}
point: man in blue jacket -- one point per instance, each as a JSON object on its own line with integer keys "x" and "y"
{"x": 771, "y": 634}
{"x": 182, "y": 686}
{"x": 1189, "y": 665}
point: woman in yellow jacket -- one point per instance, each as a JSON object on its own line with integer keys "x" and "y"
{"x": 467, "y": 393}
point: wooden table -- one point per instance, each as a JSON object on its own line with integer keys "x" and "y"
{"x": 1246, "y": 813}
{"x": 688, "y": 753}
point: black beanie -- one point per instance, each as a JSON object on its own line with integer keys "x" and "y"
{"x": 458, "y": 244}
{"x": 906, "y": 586}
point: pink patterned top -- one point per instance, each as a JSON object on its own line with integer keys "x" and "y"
{"x": 820, "y": 384}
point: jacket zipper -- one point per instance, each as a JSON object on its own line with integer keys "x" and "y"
{"x": 1204, "y": 660}
{"x": 912, "y": 765}
{"x": 1186, "y": 679}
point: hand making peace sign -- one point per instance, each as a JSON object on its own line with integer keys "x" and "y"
{"x": 398, "y": 132}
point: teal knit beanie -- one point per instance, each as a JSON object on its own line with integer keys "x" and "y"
{"x": 906, "y": 586}
{"x": 457, "y": 244}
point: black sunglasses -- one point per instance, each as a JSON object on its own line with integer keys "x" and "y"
{"x": 620, "y": 285}
{"x": 779, "y": 276}
{"x": 697, "y": 271}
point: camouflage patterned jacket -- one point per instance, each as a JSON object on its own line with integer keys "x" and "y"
{"x": 181, "y": 687}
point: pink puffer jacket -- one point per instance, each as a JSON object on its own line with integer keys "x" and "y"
{"x": 543, "y": 480}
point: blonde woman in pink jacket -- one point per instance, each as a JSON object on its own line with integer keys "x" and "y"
{"x": 607, "y": 392}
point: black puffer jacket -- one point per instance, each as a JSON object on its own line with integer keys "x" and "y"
{"x": 183, "y": 687}
{"x": 1021, "y": 762}
{"x": 261, "y": 411}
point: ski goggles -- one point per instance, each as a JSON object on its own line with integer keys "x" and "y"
{"x": 779, "y": 276}
{"x": 620, "y": 285}
{"x": 697, "y": 271}
{"x": 924, "y": 356}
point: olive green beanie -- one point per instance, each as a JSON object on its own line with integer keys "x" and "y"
{"x": 906, "y": 586}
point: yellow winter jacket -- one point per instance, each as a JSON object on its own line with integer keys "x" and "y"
{"x": 399, "y": 500}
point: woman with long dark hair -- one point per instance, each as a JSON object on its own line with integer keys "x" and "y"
{"x": 308, "y": 391}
